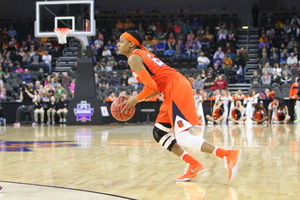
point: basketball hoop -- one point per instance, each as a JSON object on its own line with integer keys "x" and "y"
{"x": 62, "y": 34}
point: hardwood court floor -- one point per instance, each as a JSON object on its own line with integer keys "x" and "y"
{"x": 125, "y": 161}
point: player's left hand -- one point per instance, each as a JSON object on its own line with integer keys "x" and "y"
{"x": 130, "y": 103}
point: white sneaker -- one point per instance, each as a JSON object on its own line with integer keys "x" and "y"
{"x": 60, "y": 120}
{"x": 33, "y": 125}
{"x": 17, "y": 125}
{"x": 64, "y": 120}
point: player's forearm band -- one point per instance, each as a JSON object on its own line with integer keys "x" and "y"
{"x": 150, "y": 85}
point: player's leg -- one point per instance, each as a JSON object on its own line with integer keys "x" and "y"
{"x": 161, "y": 135}
{"x": 180, "y": 104}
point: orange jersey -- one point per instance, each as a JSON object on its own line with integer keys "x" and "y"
{"x": 258, "y": 115}
{"x": 158, "y": 70}
{"x": 293, "y": 91}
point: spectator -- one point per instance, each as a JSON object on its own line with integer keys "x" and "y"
{"x": 66, "y": 80}
{"x": 222, "y": 34}
{"x": 275, "y": 78}
{"x": 26, "y": 97}
{"x": 62, "y": 109}
{"x": 59, "y": 91}
{"x": 209, "y": 81}
{"x": 277, "y": 68}
{"x": 293, "y": 43}
{"x": 26, "y": 76}
{"x": 114, "y": 80}
{"x": 203, "y": 74}
{"x": 286, "y": 78}
{"x": 295, "y": 20}
{"x": 198, "y": 83}
{"x": 220, "y": 83}
{"x": 38, "y": 108}
{"x": 284, "y": 55}
{"x": 106, "y": 52}
{"x": 2, "y": 92}
{"x": 160, "y": 47}
{"x": 111, "y": 96}
{"x": 262, "y": 62}
{"x": 263, "y": 40}
{"x": 103, "y": 81}
{"x": 36, "y": 59}
{"x": 72, "y": 87}
{"x": 241, "y": 63}
{"x": 255, "y": 78}
{"x": 218, "y": 60}
{"x": 227, "y": 61}
{"x": 268, "y": 68}
{"x": 219, "y": 53}
{"x": 47, "y": 59}
{"x": 52, "y": 106}
{"x": 286, "y": 69}
{"x": 292, "y": 61}
{"x": 124, "y": 79}
{"x": 265, "y": 78}
{"x": 169, "y": 52}
{"x": 11, "y": 31}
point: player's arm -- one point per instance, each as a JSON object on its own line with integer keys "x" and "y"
{"x": 136, "y": 64}
{"x": 153, "y": 94}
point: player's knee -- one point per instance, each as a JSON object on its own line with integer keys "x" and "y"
{"x": 160, "y": 134}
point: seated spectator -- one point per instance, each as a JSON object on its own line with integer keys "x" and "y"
{"x": 128, "y": 25}
{"x": 229, "y": 47}
{"x": 268, "y": 68}
{"x": 36, "y": 59}
{"x": 26, "y": 76}
{"x": 219, "y": 53}
{"x": 205, "y": 42}
{"x": 111, "y": 96}
{"x": 209, "y": 81}
{"x": 169, "y": 52}
{"x": 196, "y": 50}
{"x": 263, "y": 60}
{"x": 103, "y": 81}
{"x": 227, "y": 61}
{"x": 220, "y": 83}
{"x": 218, "y": 60}
{"x": 65, "y": 80}
{"x": 177, "y": 52}
{"x": 59, "y": 91}
{"x": 277, "y": 68}
{"x": 293, "y": 43}
{"x": 255, "y": 78}
{"x": 106, "y": 52}
{"x": 119, "y": 25}
{"x": 203, "y": 74}
{"x": 263, "y": 40}
{"x": 265, "y": 78}
{"x": 198, "y": 83}
{"x": 38, "y": 108}
{"x": 114, "y": 80}
{"x": 292, "y": 61}
{"x": 72, "y": 87}
{"x": 231, "y": 37}
{"x": 286, "y": 78}
{"x": 160, "y": 47}
{"x": 62, "y": 108}
{"x": 275, "y": 78}
{"x": 284, "y": 55}
{"x": 52, "y": 106}
{"x": 217, "y": 70}
{"x": 124, "y": 79}
{"x": 2, "y": 92}
{"x": 222, "y": 34}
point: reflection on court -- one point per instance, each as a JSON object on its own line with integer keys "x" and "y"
{"x": 126, "y": 161}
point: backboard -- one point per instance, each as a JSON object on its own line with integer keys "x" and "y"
{"x": 76, "y": 15}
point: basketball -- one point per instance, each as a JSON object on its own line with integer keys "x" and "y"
{"x": 116, "y": 110}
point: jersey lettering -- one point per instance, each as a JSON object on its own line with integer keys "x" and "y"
{"x": 156, "y": 60}
{"x": 180, "y": 123}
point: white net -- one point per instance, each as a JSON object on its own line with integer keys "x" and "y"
{"x": 62, "y": 34}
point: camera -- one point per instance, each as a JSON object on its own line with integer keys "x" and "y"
{"x": 24, "y": 87}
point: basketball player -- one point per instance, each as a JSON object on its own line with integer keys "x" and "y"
{"x": 177, "y": 110}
